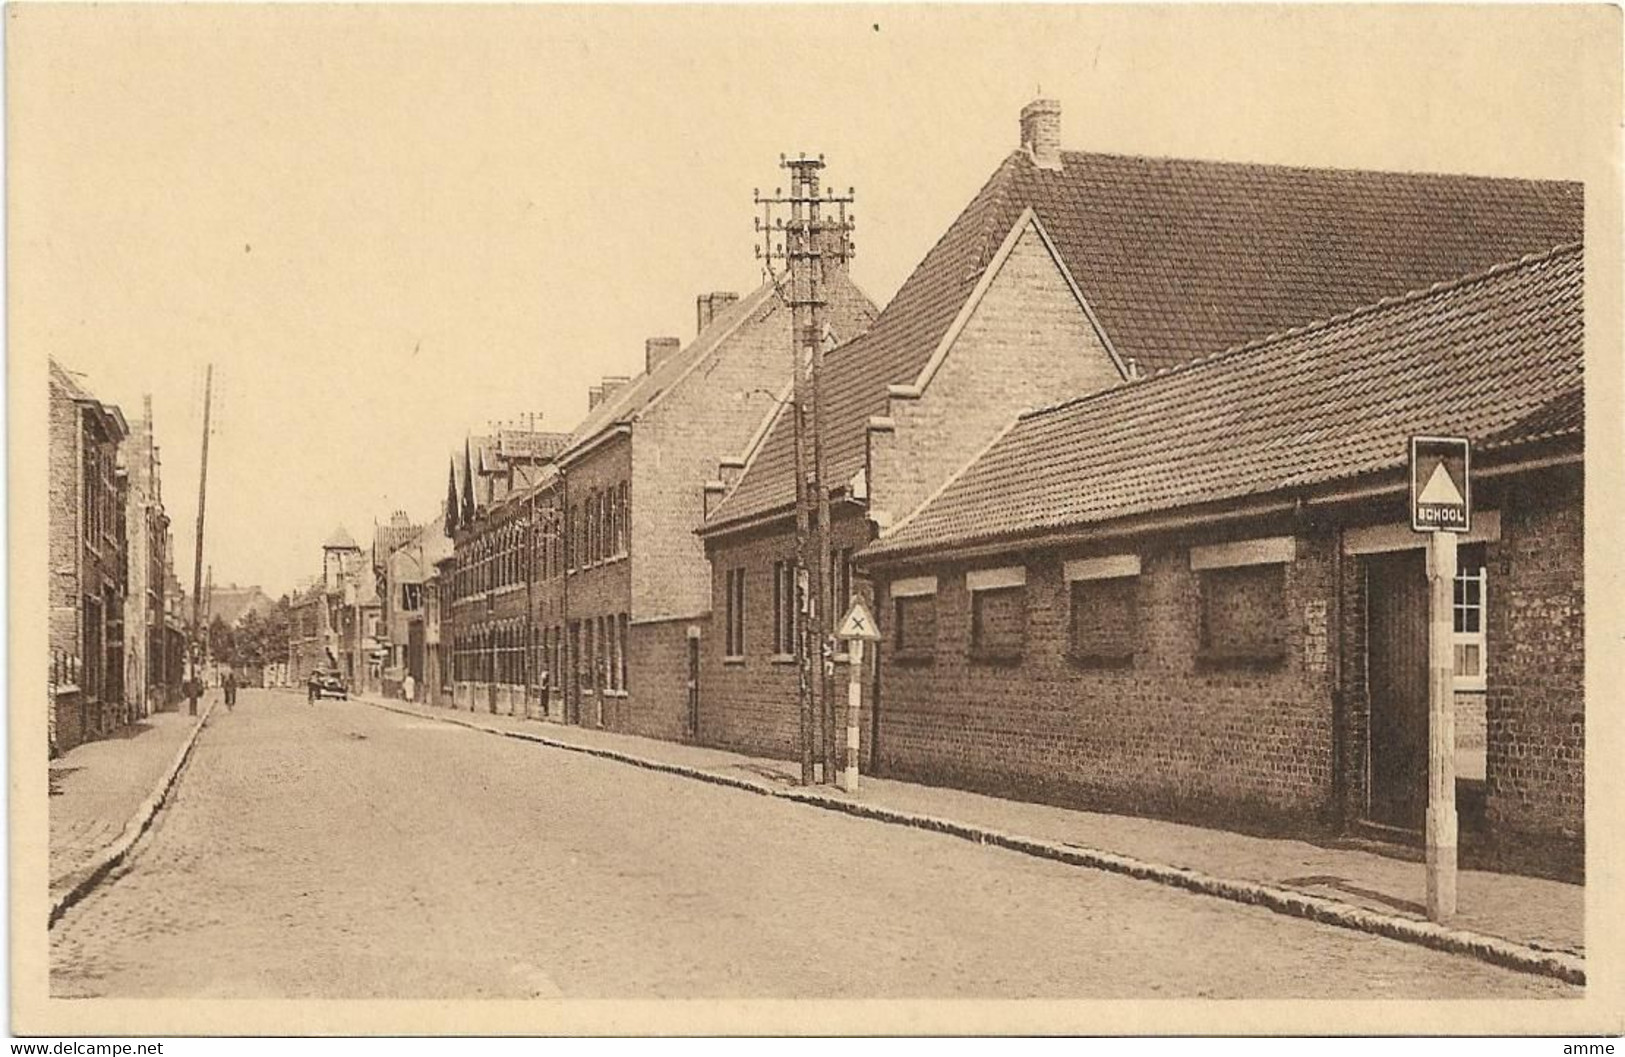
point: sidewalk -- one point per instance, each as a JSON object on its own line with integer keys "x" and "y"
{"x": 1546, "y": 916}
{"x": 99, "y": 788}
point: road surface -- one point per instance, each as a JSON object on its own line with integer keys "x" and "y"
{"x": 340, "y": 851}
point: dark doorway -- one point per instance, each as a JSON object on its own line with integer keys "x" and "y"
{"x": 1397, "y": 681}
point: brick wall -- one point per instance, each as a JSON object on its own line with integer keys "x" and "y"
{"x": 602, "y": 590}
{"x": 657, "y": 698}
{"x": 1166, "y": 734}
{"x": 1535, "y": 705}
{"x": 1027, "y": 344}
{"x": 751, "y": 705}
{"x": 64, "y": 530}
{"x": 679, "y": 441}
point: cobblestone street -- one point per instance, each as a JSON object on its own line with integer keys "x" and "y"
{"x": 339, "y": 851}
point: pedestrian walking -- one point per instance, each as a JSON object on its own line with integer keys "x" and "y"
{"x": 230, "y": 685}
{"x": 409, "y": 688}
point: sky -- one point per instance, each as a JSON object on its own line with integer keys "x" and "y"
{"x": 386, "y": 227}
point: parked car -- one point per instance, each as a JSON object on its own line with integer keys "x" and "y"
{"x": 328, "y": 684}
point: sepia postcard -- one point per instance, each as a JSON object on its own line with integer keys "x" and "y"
{"x": 750, "y": 519}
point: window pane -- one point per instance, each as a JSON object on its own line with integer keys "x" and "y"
{"x": 1469, "y": 657}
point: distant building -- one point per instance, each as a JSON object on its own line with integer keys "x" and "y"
{"x": 231, "y": 603}
{"x": 147, "y": 533}
{"x": 584, "y": 598}
{"x": 405, "y": 560}
{"x": 88, "y": 539}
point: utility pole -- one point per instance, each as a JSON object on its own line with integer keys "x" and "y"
{"x": 197, "y": 565}
{"x": 803, "y": 247}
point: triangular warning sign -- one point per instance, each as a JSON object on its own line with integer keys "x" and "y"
{"x": 1441, "y": 488}
{"x": 858, "y": 623}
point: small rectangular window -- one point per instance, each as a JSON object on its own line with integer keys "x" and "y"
{"x": 1105, "y": 618}
{"x": 916, "y": 626}
{"x": 735, "y": 612}
{"x": 998, "y": 622}
{"x": 1244, "y": 613}
{"x": 1470, "y": 638}
{"x": 621, "y": 653}
{"x": 784, "y": 607}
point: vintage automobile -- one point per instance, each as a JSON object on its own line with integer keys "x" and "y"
{"x": 328, "y": 684}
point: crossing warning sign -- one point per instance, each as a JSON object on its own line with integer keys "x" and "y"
{"x": 858, "y": 624}
{"x": 1441, "y": 494}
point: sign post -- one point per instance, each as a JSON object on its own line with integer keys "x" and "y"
{"x": 857, "y": 628}
{"x": 1441, "y": 507}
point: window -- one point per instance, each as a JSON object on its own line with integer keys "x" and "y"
{"x": 620, "y": 653}
{"x": 784, "y": 608}
{"x": 1105, "y": 618}
{"x": 998, "y": 607}
{"x": 734, "y": 612}
{"x": 916, "y": 626}
{"x": 623, "y": 522}
{"x": 570, "y": 549}
{"x": 1469, "y": 638}
{"x": 1244, "y": 613}
{"x": 843, "y": 582}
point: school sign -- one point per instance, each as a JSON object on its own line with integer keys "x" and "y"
{"x": 1441, "y": 496}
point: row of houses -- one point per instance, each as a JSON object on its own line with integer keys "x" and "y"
{"x": 116, "y": 635}
{"x": 1121, "y": 468}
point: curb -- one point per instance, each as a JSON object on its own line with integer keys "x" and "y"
{"x": 1505, "y": 953}
{"x": 88, "y": 877}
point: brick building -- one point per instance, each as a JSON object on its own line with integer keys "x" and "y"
{"x": 147, "y": 535}
{"x": 586, "y": 595}
{"x": 484, "y": 601}
{"x": 1067, "y": 273}
{"x": 1199, "y": 595}
{"x": 312, "y": 644}
{"x": 88, "y": 538}
{"x": 405, "y": 560}
{"x": 335, "y": 622}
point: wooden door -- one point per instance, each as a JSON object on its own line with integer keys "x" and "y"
{"x": 1397, "y": 682}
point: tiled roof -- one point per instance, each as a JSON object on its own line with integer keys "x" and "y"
{"x": 1179, "y": 259}
{"x": 231, "y": 604}
{"x": 634, "y": 397}
{"x": 1497, "y": 357}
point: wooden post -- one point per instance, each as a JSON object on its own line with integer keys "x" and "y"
{"x": 854, "y": 703}
{"x": 197, "y": 565}
{"x": 1441, "y": 810}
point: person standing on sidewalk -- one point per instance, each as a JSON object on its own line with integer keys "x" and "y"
{"x": 229, "y": 683}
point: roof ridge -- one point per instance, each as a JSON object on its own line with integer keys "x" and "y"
{"x": 1308, "y": 168}
{"x": 992, "y": 237}
{"x": 1392, "y": 301}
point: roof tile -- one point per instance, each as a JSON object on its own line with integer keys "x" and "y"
{"x": 1497, "y": 357}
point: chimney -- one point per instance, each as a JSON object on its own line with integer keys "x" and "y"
{"x": 655, "y": 351}
{"x": 611, "y": 383}
{"x": 712, "y": 305}
{"x": 1041, "y": 132}
{"x": 595, "y": 396}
